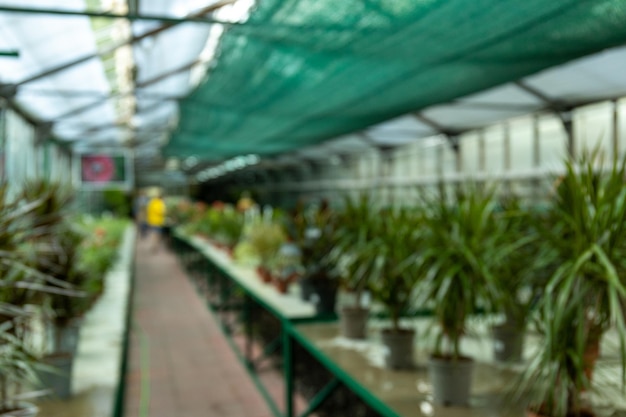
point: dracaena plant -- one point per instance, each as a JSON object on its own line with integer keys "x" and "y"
{"x": 584, "y": 236}
{"x": 22, "y": 225}
{"x": 18, "y": 365}
{"x": 315, "y": 229}
{"x": 351, "y": 246}
{"x": 520, "y": 276}
{"x": 391, "y": 260}
{"x": 460, "y": 239}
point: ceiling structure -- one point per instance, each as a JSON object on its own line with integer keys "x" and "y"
{"x": 208, "y": 81}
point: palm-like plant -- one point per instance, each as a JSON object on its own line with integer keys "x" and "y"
{"x": 18, "y": 365}
{"x": 22, "y": 224}
{"x": 461, "y": 241}
{"x": 389, "y": 258}
{"x": 585, "y": 236}
{"x": 350, "y": 249}
{"x": 516, "y": 272}
{"x": 519, "y": 276}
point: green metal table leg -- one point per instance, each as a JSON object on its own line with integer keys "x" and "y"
{"x": 320, "y": 397}
{"x": 288, "y": 368}
{"x": 247, "y": 320}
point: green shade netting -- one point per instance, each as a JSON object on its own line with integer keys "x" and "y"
{"x": 299, "y": 72}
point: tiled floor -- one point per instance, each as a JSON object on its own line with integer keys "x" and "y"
{"x": 180, "y": 364}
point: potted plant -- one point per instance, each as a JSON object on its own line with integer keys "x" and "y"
{"x": 56, "y": 256}
{"x": 460, "y": 239}
{"x": 228, "y": 228}
{"x": 287, "y": 266}
{"x": 22, "y": 286}
{"x": 519, "y": 277}
{"x": 584, "y": 233}
{"x": 394, "y": 270}
{"x": 352, "y": 257}
{"x": 314, "y": 234}
{"x": 266, "y": 237}
{"x": 17, "y": 368}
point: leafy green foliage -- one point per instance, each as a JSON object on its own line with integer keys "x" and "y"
{"x": 351, "y": 244}
{"x": 461, "y": 245}
{"x": 523, "y": 269}
{"x": 266, "y": 237}
{"x": 584, "y": 236}
{"x": 315, "y": 234}
{"x": 389, "y": 260}
{"x": 117, "y": 202}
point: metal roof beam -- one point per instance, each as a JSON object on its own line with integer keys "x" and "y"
{"x": 452, "y": 135}
{"x": 195, "y": 17}
{"x": 144, "y": 84}
{"x": 552, "y": 104}
{"x": 436, "y": 126}
{"x": 562, "y": 109}
{"x": 130, "y": 41}
{"x": 99, "y": 95}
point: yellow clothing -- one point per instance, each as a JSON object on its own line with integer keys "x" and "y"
{"x": 155, "y": 212}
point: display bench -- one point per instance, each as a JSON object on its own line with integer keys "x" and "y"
{"x": 278, "y": 336}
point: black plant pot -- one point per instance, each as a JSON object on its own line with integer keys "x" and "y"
{"x": 508, "y": 343}
{"x": 323, "y": 296}
{"x": 306, "y": 287}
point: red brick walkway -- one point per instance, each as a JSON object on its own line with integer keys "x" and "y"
{"x": 180, "y": 364}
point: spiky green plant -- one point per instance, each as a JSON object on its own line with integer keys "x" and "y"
{"x": 350, "y": 247}
{"x": 460, "y": 241}
{"x": 390, "y": 259}
{"x": 585, "y": 236}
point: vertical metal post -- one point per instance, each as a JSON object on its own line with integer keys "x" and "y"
{"x": 288, "y": 368}
{"x": 507, "y": 154}
{"x": 482, "y": 163}
{"x": 567, "y": 119}
{"x": 507, "y": 146}
{"x": 536, "y": 144}
{"x": 247, "y": 320}
{"x": 615, "y": 121}
{"x": 458, "y": 154}
{"x": 536, "y": 154}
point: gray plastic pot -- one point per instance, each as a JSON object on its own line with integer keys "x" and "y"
{"x": 59, "y": 379}
{"x": 508, "y": 343}
{"x": 399, "y": 347}
{"x": 68, "y": 337}
{"x": 451, "y": 380}
{"x": 353, "y": 322}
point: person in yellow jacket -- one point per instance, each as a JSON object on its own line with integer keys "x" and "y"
{"x": 155, "y": 217}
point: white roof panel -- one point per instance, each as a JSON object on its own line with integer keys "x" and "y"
{"x": 591, "y": 78}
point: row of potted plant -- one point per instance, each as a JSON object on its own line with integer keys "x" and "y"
{"x": 53, "y": 266}
{"x": 560, "y": 269}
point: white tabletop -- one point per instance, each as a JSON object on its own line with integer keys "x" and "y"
{"x": 288, "y": 305}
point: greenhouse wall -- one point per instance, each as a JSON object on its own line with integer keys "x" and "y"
{"x": 23, "y": 158}
{"x": 525, "y": 153}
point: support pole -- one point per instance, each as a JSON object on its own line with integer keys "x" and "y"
{"x": 288, "y": 368}
{"x": 567, "y": 121}
{"x": 615, "y": 120}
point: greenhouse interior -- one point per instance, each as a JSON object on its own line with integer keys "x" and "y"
{"x": 298, "y": 208}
